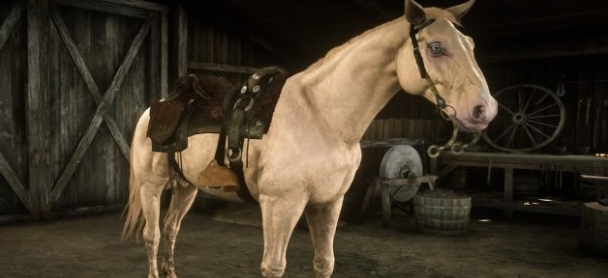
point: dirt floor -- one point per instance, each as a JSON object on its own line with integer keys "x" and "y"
{"x": 228, "y": 243}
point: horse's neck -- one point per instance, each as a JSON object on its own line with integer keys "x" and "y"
{"x": 350, "y": 87}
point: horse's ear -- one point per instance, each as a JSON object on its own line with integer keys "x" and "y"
{"x": 460, "y": 10}
{"x": 414, "y": 13}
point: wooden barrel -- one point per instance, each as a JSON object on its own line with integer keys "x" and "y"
{"x": 593, "y": 233}
{"x": 441, "y": 212}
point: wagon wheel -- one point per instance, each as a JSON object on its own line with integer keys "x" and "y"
{"x": 533, "y": 116}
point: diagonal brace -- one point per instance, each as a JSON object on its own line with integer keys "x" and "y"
{"x": 108, "y": 97}
{"x": 10, "y": 22}
{"x": 88, "y": 80}
{"x": 14, "y": 182}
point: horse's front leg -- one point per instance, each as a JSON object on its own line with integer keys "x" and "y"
{"x": 322, "y": 222}
{"x": 280, "y": 214}
{"x": 181, "y": 200}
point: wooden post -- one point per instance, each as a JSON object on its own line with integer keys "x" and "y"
{"x": 593, "y": 233}
{"x": 508, "y": 193}
{"x": 180, "y": 43}
{"x": 164, "y": 55}
{"x": 37, "y": 110}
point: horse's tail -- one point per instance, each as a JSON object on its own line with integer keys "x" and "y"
{"x": 134, "y": 219}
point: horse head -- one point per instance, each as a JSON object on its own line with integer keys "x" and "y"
{"x": 450, "y": 76}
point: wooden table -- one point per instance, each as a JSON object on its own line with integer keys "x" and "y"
{"x": 584, "y": 164}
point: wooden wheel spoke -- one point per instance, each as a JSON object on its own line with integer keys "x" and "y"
{"x": 505, "y": 132}
{"x": 530, "y": 135}
{"x": 542, "y": 109}
{"x": 538, "y": 131}
{"x": 519, "y": 100}
{"x": 512, "y": 136}
{"x": 538, "y": 102}
{"x": 543, "y": 124}
{"x": 536, "y": 117}
{"x": 545, "y": 116}
{"x": 528, "y": 102}
{"x": 506, "y": 108}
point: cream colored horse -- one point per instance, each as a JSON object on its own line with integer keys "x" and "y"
{"x": 307, "y": 160}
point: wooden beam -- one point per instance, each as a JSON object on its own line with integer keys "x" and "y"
{"x": 132, "y": 8}
{"x": 88, "y": 80}
{"x": 103, "y": 107}
{"x": 37, "y": 111}
{"x": 594, "y": 46}
{"x": 146, "y": 5}
{"x": 154, "y": 56}
{"x": 14, "y": 182}
{"x": 10, "y": 21}
{"x": 104, "y": 6}
{"x": 377, "y": 9}
{"x": 182, "y": 41}
{"x": 221, "y": 67}
{"x": 164, "y": 55}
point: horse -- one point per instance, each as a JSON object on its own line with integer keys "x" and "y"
{"x": 307, "y": 160}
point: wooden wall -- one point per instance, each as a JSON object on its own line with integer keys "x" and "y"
{"x": 75, "y": 77}
{"x": 219, "y": 49}
{"x": 13, "y": 74}
{"x": 584, "y": 77}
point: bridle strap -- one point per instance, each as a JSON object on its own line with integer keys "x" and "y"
{"x": 414, "y": 29}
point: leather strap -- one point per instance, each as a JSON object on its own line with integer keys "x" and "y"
{"x": 440, "y": 102}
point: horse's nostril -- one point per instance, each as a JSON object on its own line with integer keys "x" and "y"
{"x": 479, "y": 111}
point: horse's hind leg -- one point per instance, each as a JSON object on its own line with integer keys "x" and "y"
{"x": 322, "y": 222}
{"x": 150, "y": 205}
{"x": 181, "y": 200}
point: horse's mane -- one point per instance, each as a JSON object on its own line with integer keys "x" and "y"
{"x": 432, "y": 12}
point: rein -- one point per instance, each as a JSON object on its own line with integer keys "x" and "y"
{"x": 454, "y": 146}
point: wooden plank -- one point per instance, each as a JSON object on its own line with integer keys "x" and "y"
{"x": 103, "y": 6}
{"x": 88, "y": 80}
{"x": 508, "y": 193}
{"x": 164, "y": 55}
{"x": 585, "y": 164}
{"x": 146, "y": 5}
{"x": 109, "y": 95}
{"x": 14, "y": 182}
{"x": 182, "y": 41}
{"x": 10, "y": 21}
{"x": 36, "y": 112}
{"x": 596, "y": 45}
{"x": 221, "y": 67}
{"x": 154, "y": 73}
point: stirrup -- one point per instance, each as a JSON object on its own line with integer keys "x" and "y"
{"x": 216, "y": 175}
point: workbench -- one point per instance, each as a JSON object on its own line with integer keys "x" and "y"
{"x": 584, "y": 164}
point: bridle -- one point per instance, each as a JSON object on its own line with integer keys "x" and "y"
{"x": 440, "y": 103}
{"x": 414, "y": 29}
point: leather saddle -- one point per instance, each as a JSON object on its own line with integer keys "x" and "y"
{"x": 204, "y": 103}
{"x": 210, "y": 104}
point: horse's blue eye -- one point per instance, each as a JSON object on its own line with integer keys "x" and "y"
{"x": 436, "y": 49}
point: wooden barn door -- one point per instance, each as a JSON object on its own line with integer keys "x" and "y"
{"x": 14, "y": 195}
{"x": 93, "y": 67}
